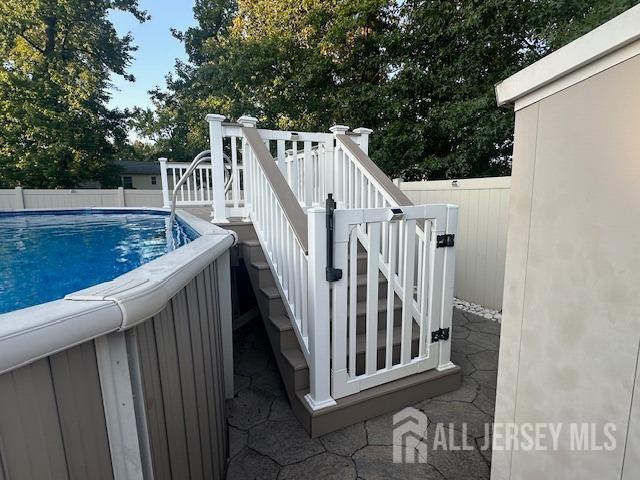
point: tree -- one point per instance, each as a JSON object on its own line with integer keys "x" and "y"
{"x": 56, "y": 59}
{"x": 449, "y": 55}
{"x": 421, "y": 73}
{"x": 297, "y": 65}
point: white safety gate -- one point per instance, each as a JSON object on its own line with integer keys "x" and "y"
{"x": 400, "y": 244}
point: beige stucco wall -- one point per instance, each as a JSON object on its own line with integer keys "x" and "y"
{"x": 571, "y": 325}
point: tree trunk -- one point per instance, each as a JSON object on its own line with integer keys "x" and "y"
{"x": 50, "y": 35}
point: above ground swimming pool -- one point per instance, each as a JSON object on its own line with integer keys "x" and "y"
{"x": 47, "y": 255}
{"x": 69, "y": 276}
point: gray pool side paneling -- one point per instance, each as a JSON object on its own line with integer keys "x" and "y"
{"x": 52, "y": 423}
{"x": 180, "y": 352}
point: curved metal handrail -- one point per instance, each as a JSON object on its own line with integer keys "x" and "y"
{"x": 203, "y": 156}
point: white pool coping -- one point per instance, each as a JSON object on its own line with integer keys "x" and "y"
{"x": 35, "y": 332}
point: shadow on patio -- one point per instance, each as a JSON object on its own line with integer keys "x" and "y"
{"x": 267, "y": 442}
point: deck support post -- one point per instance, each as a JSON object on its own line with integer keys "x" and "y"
{"x": 337, "y": 170}
{"x": 249, "y": 122}
{"x": 363, "y": 139}
{"x": 319, "y": 314}
{"x": 19, "y": 198}
{"x": 217, "y": 168}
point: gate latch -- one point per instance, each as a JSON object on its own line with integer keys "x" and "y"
{"x": 332, "y": 274}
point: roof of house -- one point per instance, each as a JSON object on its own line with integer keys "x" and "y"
{"x": 137, "y": 167}
{"x": 602, "y": 48}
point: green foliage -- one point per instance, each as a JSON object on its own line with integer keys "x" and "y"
{"x": 421, "y": 73}
{"x": 56, "y": 57}
{"x": 449, "y": 55}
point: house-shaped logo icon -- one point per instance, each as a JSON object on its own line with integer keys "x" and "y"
{"x": 409, "y": 436}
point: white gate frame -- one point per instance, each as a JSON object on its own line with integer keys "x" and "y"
{"x": 431, "y": 310}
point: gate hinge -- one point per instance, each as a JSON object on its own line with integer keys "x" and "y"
{"x": 446, "y": 240}
{"x": 440, "y": 334}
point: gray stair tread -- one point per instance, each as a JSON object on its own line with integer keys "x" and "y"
{"x": 252, "y": 243}
{"x": 295, "y": 358}
{"x": 361, "y": 307}
{"x": 281, "y": 322}
{"x": 260, "y": 265}
{"x": 270, "y": 292}
{"x": 361, "y": 338}
{"x": 361, "y": 279}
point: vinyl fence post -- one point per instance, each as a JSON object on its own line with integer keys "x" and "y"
{"x": 319, "y": 314}
{"x": 19, "y": 198}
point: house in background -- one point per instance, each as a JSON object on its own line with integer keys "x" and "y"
{"x": 142, "y": 175}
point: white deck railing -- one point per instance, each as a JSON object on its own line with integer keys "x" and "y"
{"x": 196, "y": 190}
{"x": 280, "y": 181}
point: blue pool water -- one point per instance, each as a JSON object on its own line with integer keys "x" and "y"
{"x": 45, "y": 256}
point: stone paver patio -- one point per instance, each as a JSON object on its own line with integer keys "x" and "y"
{"x": 266, "y": 441}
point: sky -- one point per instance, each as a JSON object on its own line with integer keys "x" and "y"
{"x": 157, "y": 49}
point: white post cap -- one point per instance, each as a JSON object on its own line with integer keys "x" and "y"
{"x": 363, "y": 131}
{"x": 247, "y": 121}
{"x": 339, "y": 129}
{"x": 214, "y": 117}
{"x": 162, "y": 159}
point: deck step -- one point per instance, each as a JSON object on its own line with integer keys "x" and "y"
{"x": 372, "y": 402}
{"x": 254, "y": 242}
{"x": 259, "y": 265}
{"x": 361, "y": 307}
{"x": 272, "y": 293}
{"x": 281, "y": 323}
{"x": 295, "y": 358}
{"x": 362, "y": 278}
{"x": 361, "y": 338}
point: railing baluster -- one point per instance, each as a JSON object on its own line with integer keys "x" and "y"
{"x": 290, "y": 262}
{"x": 281, "y": 156}
{"x": 308, "y": 175}
{"x": 305, "y": 298}
{"x": 372, "y": 298}
{"x": 353, "y": 300}
{"x": 340, "y": 179}
{"x": 425, "y": 320}
{"x": 393, "y": 242}
{"x": 407, "y": 289}
{"x": 235, "y": 174}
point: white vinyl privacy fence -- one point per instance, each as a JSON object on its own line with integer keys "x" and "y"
{"x": 19, "y": 198}
{"x": 482, "y": 232}
{"x": 482, "y": 223}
